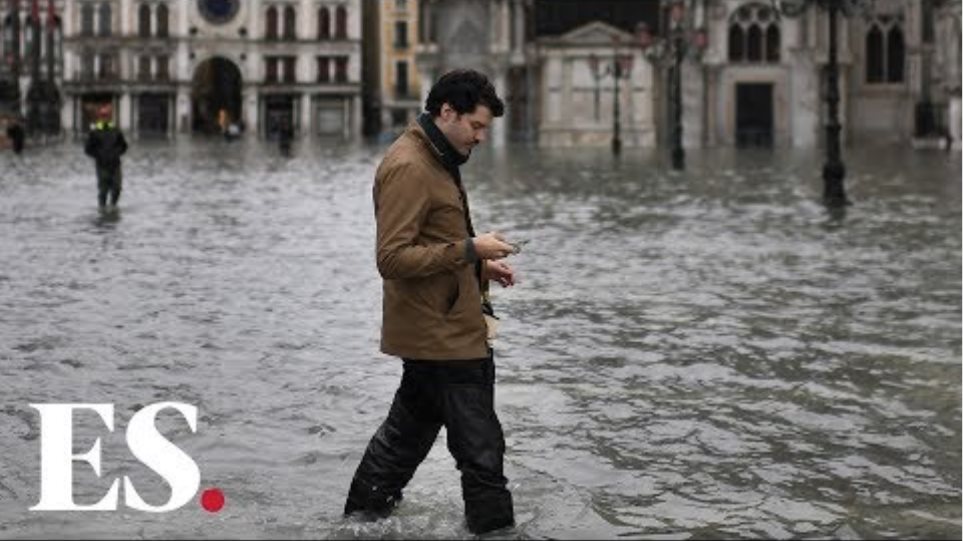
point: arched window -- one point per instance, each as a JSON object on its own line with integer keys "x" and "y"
{"x": 754, "y": 35}
{"x": 324, "y": 23}
{"x": 87, "y": 20}
{"x": 31, "y": 35}
{"x": 885, "y": 50}
{"x": 58, "y": 39}
{"x": 143, "y": 21}
{"x": 289, "y": 23}
{"x": 105, "y": 17}
{"x": 341, "y": 23}
{"x": 895, "y": 54}
{"x": 163, "y": 22}
{"x": 271, "y": 23}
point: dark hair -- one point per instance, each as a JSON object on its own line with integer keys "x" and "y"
{"x": 463, "y": 90}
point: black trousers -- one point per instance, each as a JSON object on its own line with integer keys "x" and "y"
{"x": 458, "y": 395}
{"x": 109, "y": 183}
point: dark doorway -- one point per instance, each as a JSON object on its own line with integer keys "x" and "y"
{"x": 278, "y": 110}
{"x": 153, "y": 114}
{"x": 216, "y": 96}
{"x": 754, "y": 115}
{"x": 517, "y": 98}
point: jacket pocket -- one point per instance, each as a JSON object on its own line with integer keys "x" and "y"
{"x": 438, "y": 293}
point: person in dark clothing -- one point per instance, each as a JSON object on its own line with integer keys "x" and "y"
{"x": 436, "y": 272}
{"x": 106, "y": 144}
{"x": 16, "y": 134}
{"x": 285, "y": 134}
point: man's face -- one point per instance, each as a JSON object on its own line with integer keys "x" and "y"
{"x": 464, "y": 131}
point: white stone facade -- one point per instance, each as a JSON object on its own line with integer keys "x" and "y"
{"x": 273, "y": 66}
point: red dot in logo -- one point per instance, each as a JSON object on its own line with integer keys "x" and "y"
{"x": 212, "y": 500}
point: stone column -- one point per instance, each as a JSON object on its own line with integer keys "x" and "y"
{"x": 955, "y": 120}
{"x": 183, "y": 109}
{"x": 500, "y": 127}
{"x": 124, "y": 112}
{"x": 249, "y": 111}
{"x": 356, "y": 118}
{"x": 306, "y": 130}
{"x": 68, "y": 114}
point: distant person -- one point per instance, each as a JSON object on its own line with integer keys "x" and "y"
{"x": 285, "y": 135}
{"x": 106, "y": 144}
{"x": 16, "y": 134}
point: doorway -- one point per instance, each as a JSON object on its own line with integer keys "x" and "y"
{"x": 279, "y": 110}
{"x": 216, "y": 96}
{"x": 754, "y": 124}
{"x": 153, "y": 114}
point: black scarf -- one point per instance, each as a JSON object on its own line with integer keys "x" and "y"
{"x": 450, "y": 159}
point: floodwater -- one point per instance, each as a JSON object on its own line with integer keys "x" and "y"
{"x": 687, "y": 355}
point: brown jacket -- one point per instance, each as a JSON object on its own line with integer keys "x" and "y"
{"x": 432, "y": 303}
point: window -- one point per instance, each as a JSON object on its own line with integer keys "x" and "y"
{"x": 341, "y": 23}
{"x": 163, "y": 17}
{"x": 87, "y": 65}
{"x": 324, "y": 69}
{"x": 324, "y": 23}
{"x": 289, "y": 23}
{"x": 143, "y": 21}
{"x": 163, "y": 68}
{"x": 105, "y": 17}
{"x": 106, "y": 67}
{"x": 143, "y": 68}
{"x": 928, "y": 30}
{"x": 31, "y": 37}
{"x": 401, "y": 5}
{"x": 341, "y": 69}
{"x": 401, "y": 79}
{"x": 271, "y": 70}
{"x": 87, "y": 20}
{"x": 885, "y": 50}
{"x": 754, "y": 35}
{"x": 271, "y": 23}
{"x": 401, "y": 34}
{"x": 289, "y": 64}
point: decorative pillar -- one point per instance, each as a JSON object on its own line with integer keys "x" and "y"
{"x": 305, "y": 114}
{"x": 500, "y": 128}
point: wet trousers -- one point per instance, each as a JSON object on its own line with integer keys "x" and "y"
{"x": 108, "y": 184}
{"x": 458, "y": 395}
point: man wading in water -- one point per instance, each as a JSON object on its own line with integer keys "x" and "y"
{"x": 435, "y": 271}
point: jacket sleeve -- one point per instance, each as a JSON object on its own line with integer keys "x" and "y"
{"x": 121, "y": 143}
{"x": 402, "y": 204}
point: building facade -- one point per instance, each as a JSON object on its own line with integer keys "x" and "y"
{"x": 391, "y": 42}
{"x": 751, "y": 75}
{"x": 490, "y": 36}
{"x": 179, "y": 66}
{"x": 31, "y": 49}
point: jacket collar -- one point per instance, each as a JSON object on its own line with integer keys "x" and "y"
{"x": 443, "y": 150}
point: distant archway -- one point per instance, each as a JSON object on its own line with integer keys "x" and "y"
{"x": 215, "y": 95}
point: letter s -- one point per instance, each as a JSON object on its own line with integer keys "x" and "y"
{"x": 157, "y": 453}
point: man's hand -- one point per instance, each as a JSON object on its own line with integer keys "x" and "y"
{"x": 498, "y": 271}
{"x": 492, "y": 246}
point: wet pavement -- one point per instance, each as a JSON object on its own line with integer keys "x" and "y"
{"x": 687, "y": 355}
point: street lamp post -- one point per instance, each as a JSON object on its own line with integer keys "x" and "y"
{"x": 620, "y": 68}
{"x": 834, "y": 171}
{"x": 681, "y": 38}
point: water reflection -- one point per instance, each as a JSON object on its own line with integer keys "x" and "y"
{"x": 705, "y": 353}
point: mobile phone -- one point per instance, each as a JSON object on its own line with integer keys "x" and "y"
{"x": 517, "y": 245}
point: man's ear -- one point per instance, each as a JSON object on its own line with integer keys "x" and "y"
{"x": 447, "y": 112}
